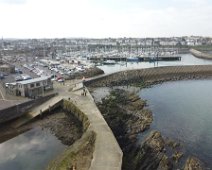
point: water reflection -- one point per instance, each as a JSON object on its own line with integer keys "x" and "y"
{"x": 182, "y": 110}
{"x": 31, "y": 150}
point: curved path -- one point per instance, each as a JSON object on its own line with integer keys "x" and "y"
{"x": 200, "y": 54}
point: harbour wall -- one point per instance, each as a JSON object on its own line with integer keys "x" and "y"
{"x": 157, "y": 74}
{"x": 69, "y": 107}
{"x": 200, "y": 54}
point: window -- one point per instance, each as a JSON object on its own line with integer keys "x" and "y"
{"x": 32, "y": 85}
{"x": 37, "y": 84}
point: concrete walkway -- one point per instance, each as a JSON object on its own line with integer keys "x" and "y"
{"x": 37, "y": 111}
{"x": 107, "y": 153}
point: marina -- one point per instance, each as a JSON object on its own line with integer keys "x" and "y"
{"x": 128, "y": 58}
{"x": 186, "y": 59}
{"x": 61, "y": 68}
{"x": 106, "y": 85}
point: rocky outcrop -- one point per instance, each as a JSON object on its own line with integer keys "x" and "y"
{"x": 127, "y": 116}
{"x": 193, "y": 163}
{"x": 151, "y": 155}
{"x": 125, "y": 113}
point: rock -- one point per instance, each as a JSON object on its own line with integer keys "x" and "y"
{"x": 150, "y": 155}
{"x": 155, "y": 141}
{"x": 141, "y": 120}
{"x": 164, "y": 164}
{"x": 192, "y": 163}
{"x": 133, "y": 97}
{"x": 176, "y": 156}
{"x": 173, "y": 144}
{"x": 139, "y": 104}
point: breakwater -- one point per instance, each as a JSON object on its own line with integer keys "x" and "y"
{"x": 200, "y": 54}
{"x": 152, "y": 75}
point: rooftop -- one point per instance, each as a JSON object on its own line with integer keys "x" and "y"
{"x": 33, "y": 80}
{"x": 5, "y": 66}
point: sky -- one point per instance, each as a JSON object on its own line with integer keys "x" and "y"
{"x": 105, "y": 18}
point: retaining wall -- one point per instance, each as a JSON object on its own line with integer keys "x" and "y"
{"x": 73, "y": 109}
{"x": 18, "y": 110}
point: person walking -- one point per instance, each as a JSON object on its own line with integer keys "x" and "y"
{"x": 83, "y": 81}
{"x": 83, "y": 91}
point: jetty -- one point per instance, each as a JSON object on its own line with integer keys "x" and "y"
{"x": 160, "y": 58}
{"x": 144, "y": 58}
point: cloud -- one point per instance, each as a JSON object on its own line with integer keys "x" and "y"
{"x": 83, "y": 18}
{"x": 13, "y": 1}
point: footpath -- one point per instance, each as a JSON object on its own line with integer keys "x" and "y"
{"x": 107, "y": 153}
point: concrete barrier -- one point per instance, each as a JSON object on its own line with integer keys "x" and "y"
{"x": 18, "y": 110}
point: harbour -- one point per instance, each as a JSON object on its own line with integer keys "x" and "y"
{"x": 67, "y": 74}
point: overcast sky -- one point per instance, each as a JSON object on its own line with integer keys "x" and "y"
{"x": 104, "y": 18}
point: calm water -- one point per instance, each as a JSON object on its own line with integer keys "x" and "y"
{"x": 183, "y": 110}
{"x": 187, "y": 59}
{"x": 30, "y": 151}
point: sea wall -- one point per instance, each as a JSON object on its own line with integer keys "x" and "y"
{"x": 78, "y": 155}
{"x": 156, "y": 74}
{"x": 200, "y": 54}
{"x": 18, "y": 110}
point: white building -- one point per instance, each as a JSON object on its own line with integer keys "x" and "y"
{"x": 31, "y": 88}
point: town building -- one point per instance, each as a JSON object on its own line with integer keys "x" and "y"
{"x": 7, "y": 68}
{"x": 30, "y": 88}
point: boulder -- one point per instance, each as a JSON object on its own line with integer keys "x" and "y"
{"x": 192, "y": 163}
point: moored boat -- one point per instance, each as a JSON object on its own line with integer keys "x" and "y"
{"x": 109, "y": 62}
{"x": 132, "y": 59}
